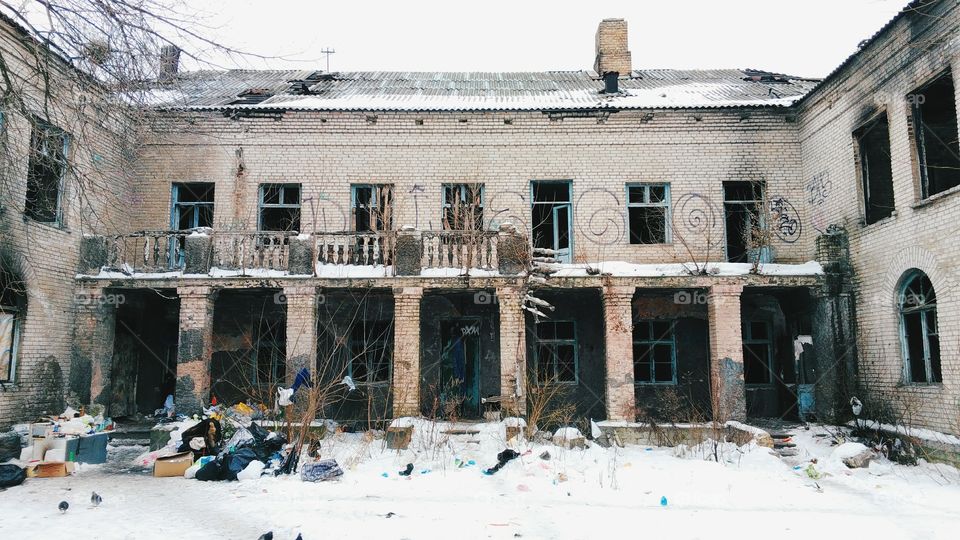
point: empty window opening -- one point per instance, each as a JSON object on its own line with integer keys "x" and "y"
{"x": 757, "y": 352}
{"x": 552, "y": 218}
{"x": 556, "y": 351}
{"x": 371, "y": 352}
{"x": 654, "y": 353}
{"x": 12, "y": 305}
{"x": 648, "y": 208}
{"x": 934, "y": 122}
{"x": 372, "y": 207}
{"x": 279, "y": 207}
{"x": 45, "y": 173}
{"x": 742, "y": 204}
{"x": 463, "y": 207}
{"x": 459, "y": 384}
{"x": 918, "y": 328}
{"x": 192, "y": 205}
{"x": 876, "y": 170}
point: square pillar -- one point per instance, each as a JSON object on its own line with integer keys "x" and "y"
{"x": 406, "y": 351}
{"x": 301, "y": 330}
{"x": 195, "y": 348}
{"x": 513, "y": 364}
{"x": 728, "y": 394}
{"x": 92, "y": 358}
{"x": 618, "y": 332}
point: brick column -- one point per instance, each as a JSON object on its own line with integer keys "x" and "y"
{"x": 406, "y": 351}
{"x": 301, "y": 329}
{"x": 195, "y": 348}
{"x": 618, "y": 331}
{"x": 513, "y": 357}
{"x": 728, "y": 394}
{"x": 93, "y": 334}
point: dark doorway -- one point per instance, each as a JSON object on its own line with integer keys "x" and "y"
{"x": 460, "y": 368}
{"x": 249, "y": 345}
{"x": 144, "y": 368}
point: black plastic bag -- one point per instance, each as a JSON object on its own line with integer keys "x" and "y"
{"x": 9, "y": 446}
{"x": 238, "y": 461}
{"x": 212, "y": 438}
{"x": 11, "y": 475}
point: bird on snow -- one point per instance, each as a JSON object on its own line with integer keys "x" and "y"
{"x": 63, "y": 506}
{"x": 96, "y": 499}
{"x": 266, "y": 536}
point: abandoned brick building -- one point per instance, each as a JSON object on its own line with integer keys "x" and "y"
{"x": 662, "y": 243}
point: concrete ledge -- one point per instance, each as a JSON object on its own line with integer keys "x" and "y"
{"x": 690, "y": 434}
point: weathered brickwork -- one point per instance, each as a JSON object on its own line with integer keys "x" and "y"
{"x": 618, "y": 329}
{"x": 726, "y": 353}
{"x": 406, "y": 351}
{"x": 512, "y": 346}
{"x": 195, "y": 348}
{"x": 920, "y": 234}
{"x": 301, "y": 347}
{"x": 44, "y": 256}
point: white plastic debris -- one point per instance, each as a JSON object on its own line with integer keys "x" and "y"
{"x": 252, "y": 471}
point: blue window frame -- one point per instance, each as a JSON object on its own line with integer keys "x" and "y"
{"x": 919, "y": 333}
{"x": 654, "y": 352}
{"x": 279, "y": 207}
{"x": 648, "y": 213}
{"x": 9, "y": 342}
{"x": 463, "y": 207}
{"x": 555, "y": 352}
{"x": 552, "y": 217}
{"x": 192, "y": 205}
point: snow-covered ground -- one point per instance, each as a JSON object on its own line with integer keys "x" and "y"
{"x": 591, "y": 493}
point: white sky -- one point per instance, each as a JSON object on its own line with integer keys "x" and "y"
{"x": 803, "y": 38}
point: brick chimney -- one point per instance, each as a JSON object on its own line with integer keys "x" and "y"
{"x": 612, "y": 53}
{"x": 169, "y": 61}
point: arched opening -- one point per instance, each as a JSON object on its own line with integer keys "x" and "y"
{"x": 13, "y": 305}
{"x": 918, "y": 328}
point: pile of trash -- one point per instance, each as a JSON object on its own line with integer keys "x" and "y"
{"x": 52, "y": 446}
{"x": 231, "y": 443}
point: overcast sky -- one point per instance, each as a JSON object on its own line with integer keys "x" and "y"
{"x": 804, "y": 38}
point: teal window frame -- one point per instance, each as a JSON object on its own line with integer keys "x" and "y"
{"x": 553, "y": 344}
{"x": 650, "y": 343}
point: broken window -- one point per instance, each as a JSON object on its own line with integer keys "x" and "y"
{"x": 757, "y": 352}
{"x": 648, "y": 206}
{"x": 463, "y": 207}
{"x": 934, "y": 123}
{"x": 372, "y": 207}
{"x": 918, "y": 327}
{"x": 654, "y": 353}
{"x": 192, "y": 205}
{"x": 742, "y": 202}
{"x": 279, "y": 207}
{"x": 552, "y": 218}
{"x": 876, "y": 170}
{"x": 45, "y": 173}
{"x": 371, "y": 351}
{"x": 556, "y": 351}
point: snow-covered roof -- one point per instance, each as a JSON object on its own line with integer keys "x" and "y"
{"x": 475, "y": 91}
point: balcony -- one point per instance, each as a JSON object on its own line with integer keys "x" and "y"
{"x": 216, "y": 253}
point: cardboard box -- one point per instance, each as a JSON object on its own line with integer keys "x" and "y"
{"x": 174, "y": 465}
{"x": 51, "y": 469}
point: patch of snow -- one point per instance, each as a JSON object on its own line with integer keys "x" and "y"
{"x": 919, "y": 433}
{"x": 626, "y": 269}
{"x": 456, "y": 272}
{"x": 514, "y": 422}
{"x": 352, "y": 271}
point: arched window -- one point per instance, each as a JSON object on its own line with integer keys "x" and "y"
{"x": 918, "y": 329}
{"x": 12, "y": 304}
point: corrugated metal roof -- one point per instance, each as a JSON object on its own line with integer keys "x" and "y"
{"x": 474, "y": 91}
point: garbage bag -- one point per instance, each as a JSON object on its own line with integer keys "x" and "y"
{"x": 213, "y": 470}
{"x": 320, "y": 471}
{"x": 11, "y": 475}
{"x": 238, "y": 461}
{"x": 9, "y": 446}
